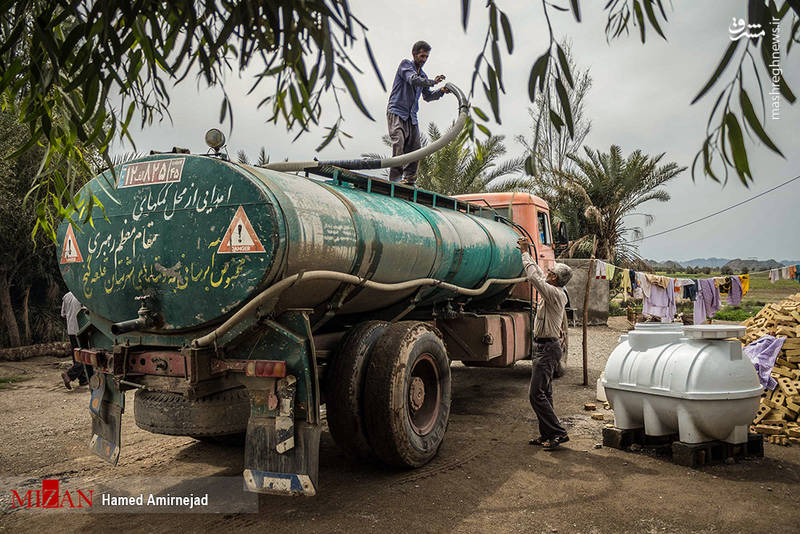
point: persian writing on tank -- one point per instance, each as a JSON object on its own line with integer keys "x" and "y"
{"x": 174, "y": 197}
{"x": 115, "y": 263}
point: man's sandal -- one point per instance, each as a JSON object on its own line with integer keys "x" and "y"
{"x": 553, "y": 444}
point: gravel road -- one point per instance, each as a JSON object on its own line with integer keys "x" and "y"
{"x": 486, "y": 478}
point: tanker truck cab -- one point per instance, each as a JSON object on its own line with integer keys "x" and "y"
{"x": 236, "y": 301}
{"x": 533, "y": 215}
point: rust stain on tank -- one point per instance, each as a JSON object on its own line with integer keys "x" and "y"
{"x": 171, "y": 272}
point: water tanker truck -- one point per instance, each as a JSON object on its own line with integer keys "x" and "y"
{"x": 240, "y": 300}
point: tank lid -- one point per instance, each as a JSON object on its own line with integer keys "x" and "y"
{"x": 658, "y": 327}
{"x": 713, "y": 331}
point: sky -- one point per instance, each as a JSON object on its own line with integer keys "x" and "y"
{"x": 640, "y": 99}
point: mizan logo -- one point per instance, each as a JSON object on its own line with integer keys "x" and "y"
{"x": 50, "y": 496}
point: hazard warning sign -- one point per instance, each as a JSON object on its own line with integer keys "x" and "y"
{"x": 240, "y": 236}
{"x": 70, "y": 253}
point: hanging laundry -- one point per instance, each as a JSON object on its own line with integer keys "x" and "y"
{"x": 797, "y": 272}
{"x": 632, "y": 276}
{"x": 792, "y": 272}
{"x": 661, "y": 302}
{"x": 625, "y": 285}
{"x": 661, "y": 281}
{"x": 600, "y": 269}
{"x": 644, "y": 284}
{"x": 690, "y": 290}
{"x": 763, "y": 352}
{"x": 744, "y": 279}
{"x": 735, "y": 294}
{"x": 707, "y": 302}
{"x": 610, "y": 271}
{"x": 774, "y": 275}
{"x": 724, "y": 284}
{"x": 680, "y": 284}
{"x": 785, "y": 274}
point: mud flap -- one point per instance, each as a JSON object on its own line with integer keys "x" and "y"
{"x": 281, "y": 454}
{"x": 106, "y": 405}
{"x": 294, "y": 472}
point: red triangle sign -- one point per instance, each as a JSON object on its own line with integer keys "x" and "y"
{"x": 70, "y": 253}
{"x": 240, "y": 237}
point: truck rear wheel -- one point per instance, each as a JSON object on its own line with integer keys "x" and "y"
{"x": 220, "y": 414}
{"x": 407, "y": 394}
{"x": 345, "y": 388}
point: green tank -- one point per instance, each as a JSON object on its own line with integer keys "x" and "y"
{"x": 192, "y": 280}
{"x": 200, "y": 236}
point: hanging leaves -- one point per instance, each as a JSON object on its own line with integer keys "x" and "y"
{"x": 562, "y": 59}
{"x": 538, "y": 75}
{"x": 755, "y": 124}
{"x": 737, "y": 148}
{"x": 726, "y": 58}
{"x": 347, "y": 78}
{"x": 62, "y": 59}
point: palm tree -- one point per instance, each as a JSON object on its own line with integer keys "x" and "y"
{"x": 609, "y": 188}
{"x": 460, "y": 167}
{"x": 263, "y": 157}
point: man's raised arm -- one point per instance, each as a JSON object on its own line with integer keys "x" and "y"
{"x": 535, "y": 274}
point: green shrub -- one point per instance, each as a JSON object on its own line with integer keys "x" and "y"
{"x": 738, "y": 313}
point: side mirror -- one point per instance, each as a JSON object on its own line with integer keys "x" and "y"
{"x": 562, "y": 237}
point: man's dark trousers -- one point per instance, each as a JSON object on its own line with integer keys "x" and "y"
{"x": 404, "y": 135}
{"x": 545, "y": 359}
{"x": 76, "y": 372}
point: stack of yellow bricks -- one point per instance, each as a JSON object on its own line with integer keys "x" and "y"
{"x": 778, "y": 415}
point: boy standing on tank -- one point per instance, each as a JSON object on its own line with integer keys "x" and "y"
{"x": 547, "y": 347}
{"x": 401, "y": 114}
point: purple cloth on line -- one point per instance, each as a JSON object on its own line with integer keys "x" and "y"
{"x": 763, "y": 352}
{"x": 707, "y": 302}
{"x": 661, "y": 302}
{"x": 735, "y": 294}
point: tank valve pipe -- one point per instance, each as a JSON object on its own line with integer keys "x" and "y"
{"x": 397, "y": 161}
{"x": 146, "y": 319}
{"x": 274, "y": 290}
{"x": 131, "y": 325}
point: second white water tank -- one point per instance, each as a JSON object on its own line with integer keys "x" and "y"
{"x": 693, "y": 381}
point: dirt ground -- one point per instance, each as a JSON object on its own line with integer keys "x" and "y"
{"x": 486, "y": 478}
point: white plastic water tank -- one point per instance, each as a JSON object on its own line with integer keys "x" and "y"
{"x": 689, "y": 380}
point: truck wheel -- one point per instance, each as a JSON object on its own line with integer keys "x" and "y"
{"x": 407, "y": 394}
{"x": 221, "y": 414}
{"x": 345, "y": 387}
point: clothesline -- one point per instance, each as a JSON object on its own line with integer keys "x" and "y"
{"x": 658, "y": 292}
{"x": 751, "y": 272}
